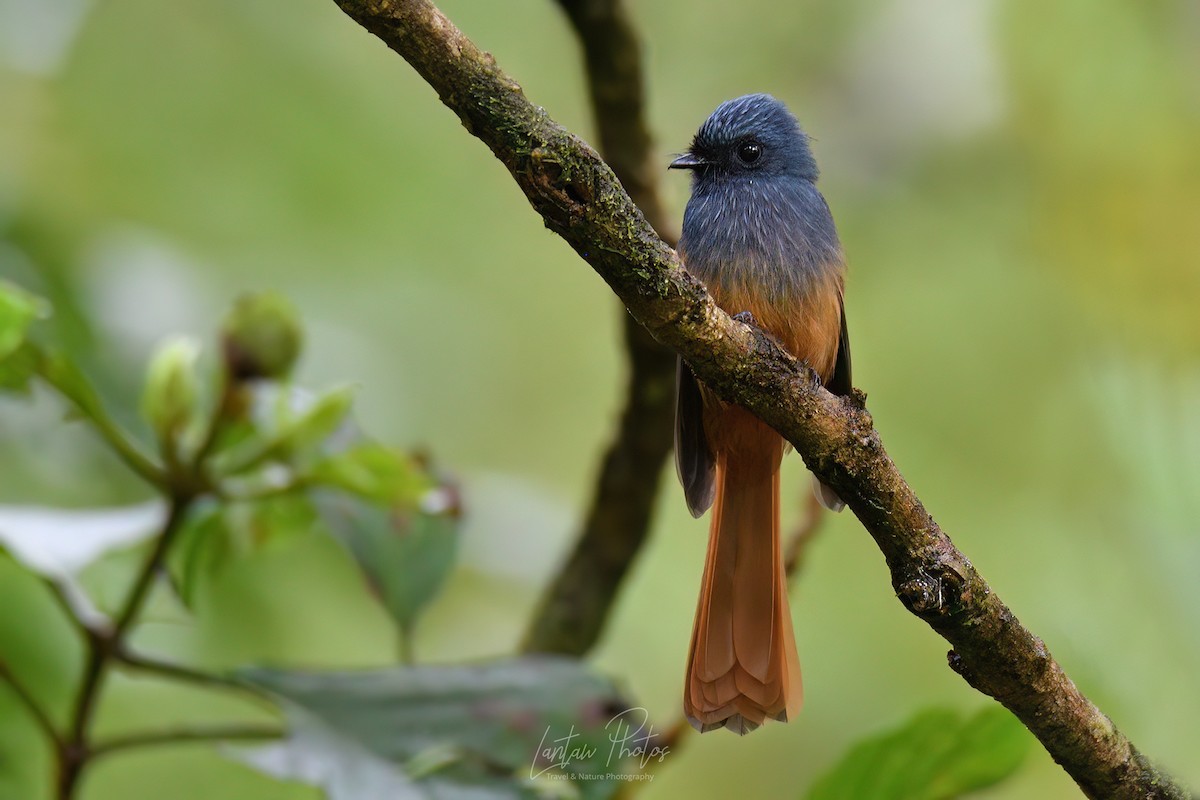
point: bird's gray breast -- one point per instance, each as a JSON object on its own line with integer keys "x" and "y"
{"x": 773, "y": 236}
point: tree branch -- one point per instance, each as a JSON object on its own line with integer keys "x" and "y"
{"x": 573, "y": 611}
{"x": 579, "y": 198}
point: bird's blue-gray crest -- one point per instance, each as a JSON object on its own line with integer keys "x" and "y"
{"x": 748, "y": 136}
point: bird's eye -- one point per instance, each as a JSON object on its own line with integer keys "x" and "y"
{"x": 749, "y": 152}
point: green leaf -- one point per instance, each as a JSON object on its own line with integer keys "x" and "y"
{"x": 404, "y": 553}
{"x": 204, "y": 547}
{"x": 18, "y": 310}
{"x": 317, "y": 755}
{"x": 937, "y": 754}
{"x": 374, "y": 472}
{"x": 287, "y": 423}
{"x": 216, "y": 535}
{"x": 59, "y": 543}
{"x": 318, "y": 421}
{"x": 445, "y": 731}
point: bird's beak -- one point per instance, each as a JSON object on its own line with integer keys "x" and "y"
{"x": 688, "y": 161}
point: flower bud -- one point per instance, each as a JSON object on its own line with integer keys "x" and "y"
{"x": 261, "y": 337}
{"x": 171, "y": 395}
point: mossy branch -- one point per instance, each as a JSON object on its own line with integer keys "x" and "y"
{"x": 580, "y": 199}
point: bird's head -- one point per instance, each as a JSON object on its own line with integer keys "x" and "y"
{"x": 750, "y": 136}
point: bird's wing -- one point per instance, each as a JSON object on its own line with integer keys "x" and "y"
{"x": 840, "y": 383}
{"x": 693, "y": 456}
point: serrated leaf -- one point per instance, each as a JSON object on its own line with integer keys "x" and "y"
{"x": 405, "y": 554}
{"x": 450, "y": 731}
{"x": 18, "y": 310}
{"x": 937, "y": 754}
{"x": 317, "y": 755}
{"x": 374, "y": 472}
{"x": 59, "y": 543}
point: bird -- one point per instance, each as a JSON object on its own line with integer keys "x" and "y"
{"x": 760, "y": 236}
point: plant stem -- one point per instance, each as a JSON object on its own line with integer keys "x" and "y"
{"x": 68, "y": 381}
{"x": 103, "y": 645}
{"x": 182, "y": 735}
{"x": 184, "y": 674}
{"x": 216, "y": 422}
{"x": 404, "y": 645}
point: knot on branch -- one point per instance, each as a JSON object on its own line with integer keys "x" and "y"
{"x": 567, "y": 193}
{"x": 956, "y": 662}
{"x": 935, "y": 591}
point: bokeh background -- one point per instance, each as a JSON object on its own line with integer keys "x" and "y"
{"x": 1018, "y": 188}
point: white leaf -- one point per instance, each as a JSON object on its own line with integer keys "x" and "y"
{"x": 58, "y": 543}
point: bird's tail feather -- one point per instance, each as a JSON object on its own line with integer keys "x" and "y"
{"x": 743, "y": 667}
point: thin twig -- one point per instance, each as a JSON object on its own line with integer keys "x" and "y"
{"x": 101, "y": 645}
{"x": 580, "y": 199}
{"x": 795, "y": 551}
{"x": 73, "y": 614}
{"x": 185, "y": 735}
{"x": 30, "y": 702}
{"x": 176, "y": 513}
{"x": 217, "y": 419}
{"x": 120, "y": 442}
{"x": 66, "y": 380}
{"x": 178, "y": 672}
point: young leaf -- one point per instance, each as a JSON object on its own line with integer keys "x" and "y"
{"x": 218, "y": 534}
{"x": 288, "y": 425}
{"x": 18, "y": 310}
{"x": 203, "y": 547}
{"x": 318, "y": 421}
{"x": 937, "y": 754}
{"x": 18, "y": 367}
{"x": 374, "y": 472}
{"x": 450, "y": 731}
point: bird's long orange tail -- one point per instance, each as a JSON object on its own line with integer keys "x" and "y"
{"x": 743, "y": 666}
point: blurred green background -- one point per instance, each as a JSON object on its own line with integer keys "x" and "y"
{"x": 1018, "y": 189}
